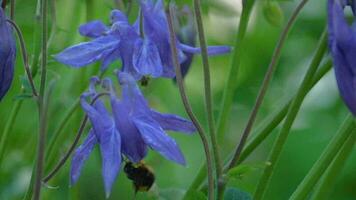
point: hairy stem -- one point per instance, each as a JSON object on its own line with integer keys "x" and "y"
{"x": 187, "y": 106}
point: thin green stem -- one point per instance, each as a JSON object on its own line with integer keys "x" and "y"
{"x": 41, "y": 104}
{"x": 264, "y": 129}
{"x": 12, "y": 9}
{"x": 60, "y": 129}
{"x": 8, "y": 127}
{"x": 207, "y": 87}
{"x": 327, "y": 182}
{"x": 74, "y": 144}
{"x": 265, "y": 84}
{"x": 292, "y": 114}
{"x": 187, "y": 106}
{"x": 347, "y": 129}
{"x": 231, "y": 83}
{"x": 25, "y": 57}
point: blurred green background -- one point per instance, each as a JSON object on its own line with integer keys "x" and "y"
{"x": 318, "y": 120}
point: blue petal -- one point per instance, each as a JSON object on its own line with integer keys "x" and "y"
{"x": 212, "y": 50}
{"x": 133, "y": 145}
{"x": 87, "y": 52}
{"x": 81, "y": 155}
{"x": 173, "y": 122}
{"x": 131, "y": 94}
{"x": 146, "y": 59}
{"x": 109, "y": 57}
{"x": 157, "y": 139}
{"x": 93, "y": 29}
{"x": 117, "y": 16}
{"x": 7, "y": 55}
{"x": 110, "y": 147}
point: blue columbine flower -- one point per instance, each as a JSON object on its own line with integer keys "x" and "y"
{"x": 7, "y": 55}
{"x": 155, "y": 27}
{"x": 104, "y": 133}
{"x": 342, "y": 42}
{"x": 141, "y": 127}
{"x": 141, "y": 55}
{"x": 122, "y": 41}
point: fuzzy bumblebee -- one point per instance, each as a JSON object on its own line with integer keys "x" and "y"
{"x": 141, "y": 176}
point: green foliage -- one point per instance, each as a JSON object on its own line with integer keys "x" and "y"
{"x": 273, "y": 12}
{"x": 236, "y": 194}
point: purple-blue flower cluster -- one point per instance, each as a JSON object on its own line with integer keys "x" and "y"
{"x": 131, "y": 127}
{"x": 127, "y": 131}
{"x": 143, "y": 48}
{"x": 7, "y": 54}
{"x": 342, "y": 43}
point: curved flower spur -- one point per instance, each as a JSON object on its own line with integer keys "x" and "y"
{"x": 7, "y": 55}
{"x": 342, "y": 43}
{"x": 129, "y": 131}
{"x": 141, "y": 55}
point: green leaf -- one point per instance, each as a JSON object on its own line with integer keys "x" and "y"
{"x": 23, "y": 96}
{"x": 25, "y": 83}
{"x": 273, "y": 13}
{"x": 195, "y": 195}
{"x": 241, "y": 170}
{"x": 236, "y": 194}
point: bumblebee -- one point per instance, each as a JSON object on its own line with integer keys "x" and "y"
{"x": 145, "y": 80}
{"x": 141, "y": 176}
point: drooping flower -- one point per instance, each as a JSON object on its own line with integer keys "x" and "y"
{"x": 155, "y": 27}
{"x": 141, "y": 127}
{"x": 104, "y": 133}
{"x": 342, "y": 43}
{"x": 7, "y": 55}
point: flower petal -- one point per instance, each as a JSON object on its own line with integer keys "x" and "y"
{"x": 173, "y": 122}
{"x": 87, "y": 52}
{"x": 212, "y": 50}
{"x": 7, "y": 55}
{"x": 146, "y": 59}
{"x": 133, "y": 145}
{"x": 80, "y": 155}
{"x": 157, "y": 139}
{"x": 109, "y": 57}
{"x": 117, "y": 16}
{"x": 93, "y": 29}
{"x": 110, "y": 148}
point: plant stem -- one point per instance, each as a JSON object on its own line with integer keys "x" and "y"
{"x": 25, "y": 58}
{"x": 347, "y": 129}
{"x": 265, "y": 84}
{"x": 231, "y": 83}
{"x": 41, "y": 104}
{"x": 74, "y": 144}
{"x": 12, "y": 9}
{"x": 207, "y": 87}
{"x": 264, "y": 129}
{"x": 267, "y": 126}
{"x": 292, "y": 113}
{"x": 60, "y": 129}
{"x": 8, "y": 128}
{"x": 330, "y": 176}
{"x": 187, "y": 105}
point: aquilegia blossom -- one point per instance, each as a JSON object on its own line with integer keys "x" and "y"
{"x": 141, "y": 127}
{"x": 7, "y": 55}
{"x": 104, "y": 133}
{"x": 155, "y": 27}
{"x": 342, "y": 42}
{"x": 143, "y": 52}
